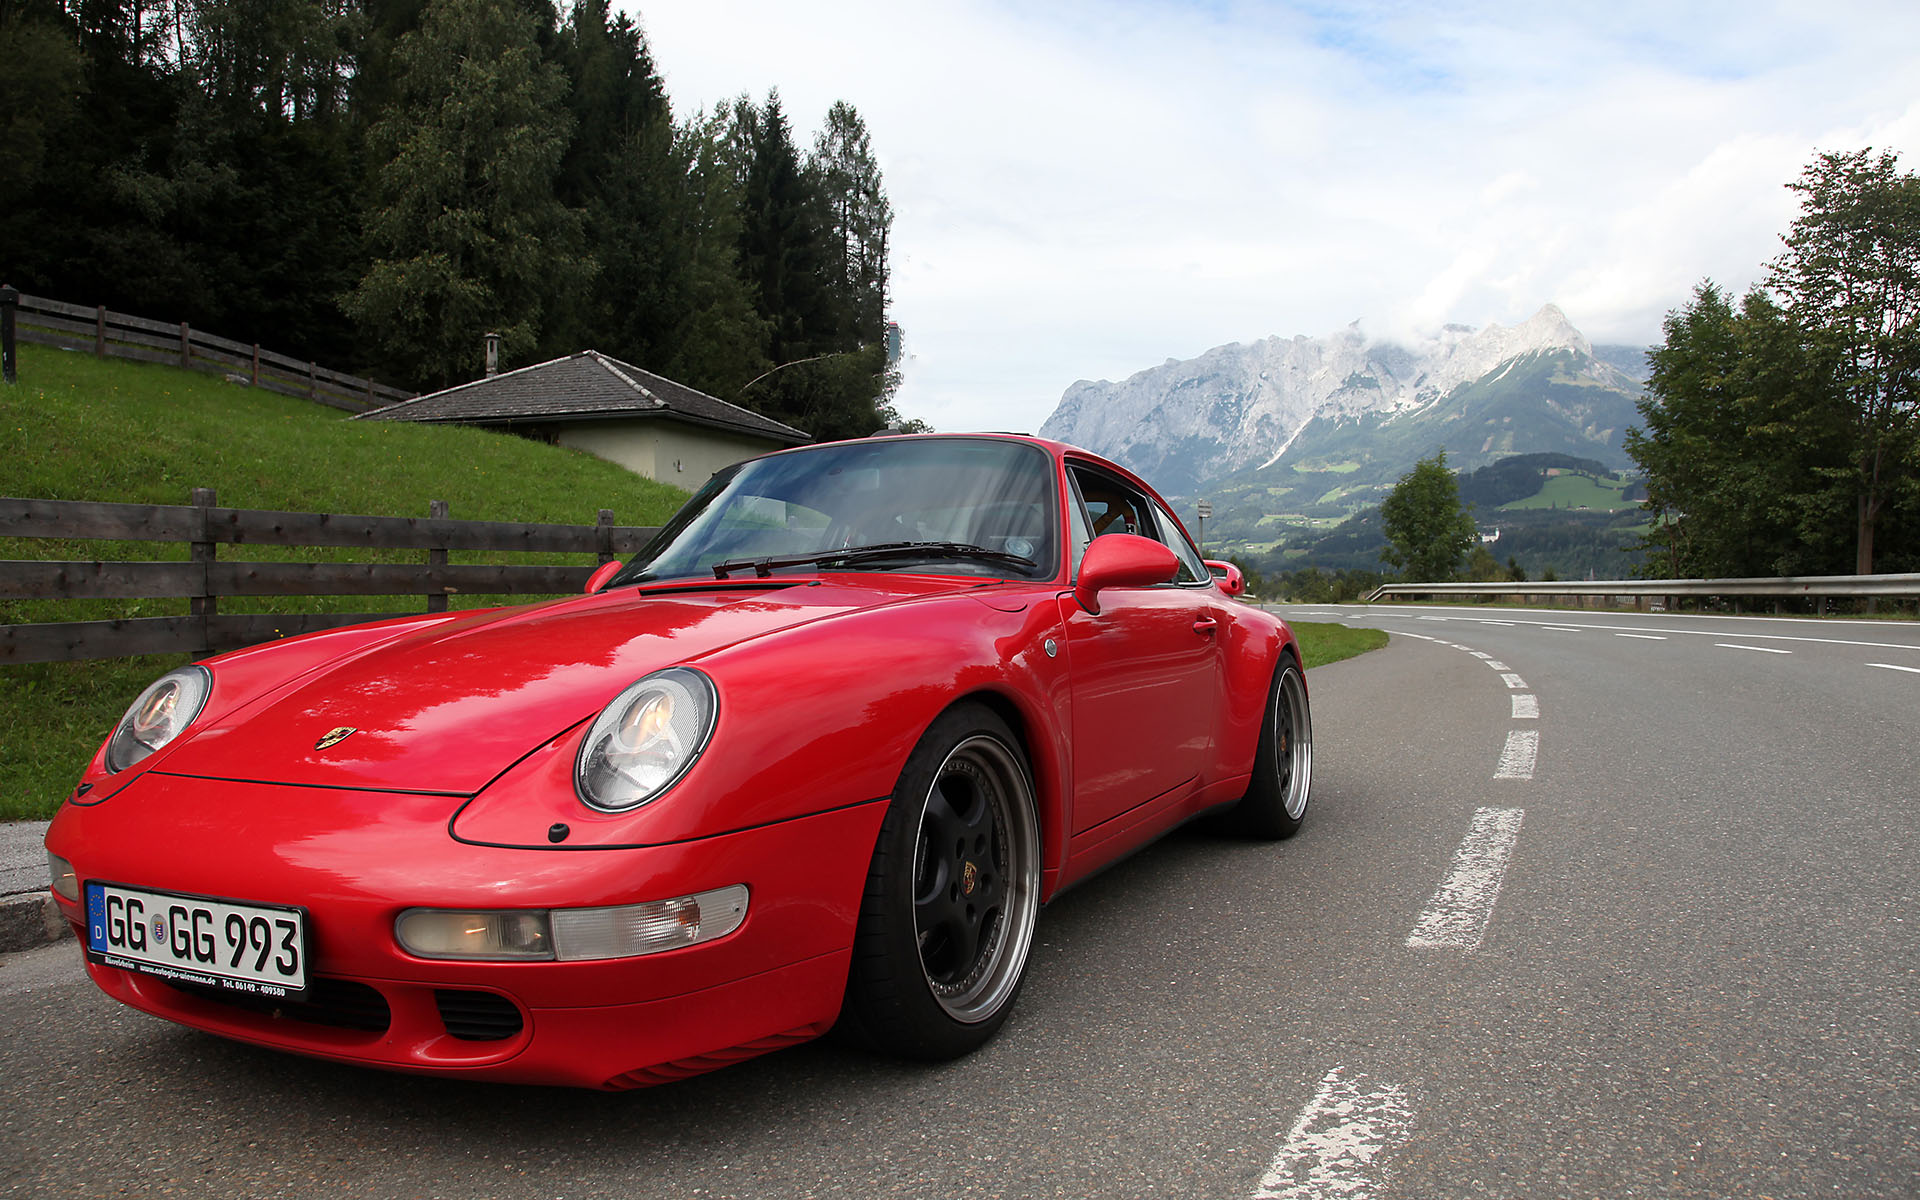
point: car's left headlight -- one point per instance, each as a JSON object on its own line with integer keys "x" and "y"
{"x": 160, "y": 715}
{"x": 644, "y": 741}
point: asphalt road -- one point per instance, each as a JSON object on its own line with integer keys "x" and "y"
{"x": 1586, "y": 906}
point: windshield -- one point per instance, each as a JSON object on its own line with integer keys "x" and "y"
{"x": 959, "y": 506}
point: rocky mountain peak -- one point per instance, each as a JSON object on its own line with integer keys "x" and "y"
{"x": 1243, "y": 404}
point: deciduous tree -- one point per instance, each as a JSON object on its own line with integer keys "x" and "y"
{"x": 1428, "y": 532}
{"x": 1850, "y": 277}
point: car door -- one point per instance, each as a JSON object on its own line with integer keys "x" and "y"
{"x": 1145, "y": 671}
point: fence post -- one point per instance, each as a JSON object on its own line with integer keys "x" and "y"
{"x": 255, "y": 381}
{"x": 186, "y": 352}
{"x": 206, "y": 605}
{"x": 99, "y": 331}
{"x": 603, "y": 535}
{"x": 311, "y": 384}
{"x": 437, "y": 557}
{"x": 9, "y": 305}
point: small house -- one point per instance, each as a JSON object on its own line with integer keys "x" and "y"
{"x": 613, "y": 410}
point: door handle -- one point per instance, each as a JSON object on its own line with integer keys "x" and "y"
{"x": 1205, "y": 625}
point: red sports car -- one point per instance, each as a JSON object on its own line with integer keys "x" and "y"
{"x": 818, "y": 755}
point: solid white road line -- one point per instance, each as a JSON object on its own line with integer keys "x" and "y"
{"x": 1456, "y": 918}
{"x": 1761, "y": 649}
{"x": 1513, "y": 681}
{"x": 1526, "y": 706}
{"x": 1521, "y": 752}
{"x": 1891, "y": 667}
{"x": 1336, "y": 1147}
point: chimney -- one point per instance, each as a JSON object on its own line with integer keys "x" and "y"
{"x": 493, "y": 355}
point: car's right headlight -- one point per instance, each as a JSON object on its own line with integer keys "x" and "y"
{"x": 642, "y": 743}
{"x": 160, "y": 715}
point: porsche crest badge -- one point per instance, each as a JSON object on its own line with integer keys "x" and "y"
{"x": 333, "y": 737}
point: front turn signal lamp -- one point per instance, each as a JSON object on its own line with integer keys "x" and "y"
{"x": 66, "y": 884}
{"x": 572, "y": 934}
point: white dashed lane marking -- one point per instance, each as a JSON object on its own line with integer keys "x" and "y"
{"x": 1526, "y": 707}
{"x": 1761, "y": 649}
{"x": 1645, "y": 637}
{"x": 1522, "y": 751}
{"x": 1513, "y": 681}
{"x": 1337, "y": 1146}
{"x": 1891, "y": 667}
{"x": 1456, "y": 918}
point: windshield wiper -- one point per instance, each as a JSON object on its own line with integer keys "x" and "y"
{"x": 763, "y": 567}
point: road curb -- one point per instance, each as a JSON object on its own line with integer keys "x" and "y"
{"x": 30, "y": 921}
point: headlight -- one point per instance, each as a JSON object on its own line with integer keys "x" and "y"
{"x": 644, "y": 741}
{"x": 158, "y": 716}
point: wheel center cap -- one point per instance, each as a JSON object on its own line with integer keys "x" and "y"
{"x": 969, "y": 879}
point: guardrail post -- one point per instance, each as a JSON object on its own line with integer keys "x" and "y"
{"x": 603, "y": 535}
{"x": 9, "y": 306}
{"x": 437, "y": 557}
{"x": 206, "y": 605}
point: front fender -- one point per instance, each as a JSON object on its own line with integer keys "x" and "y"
{"x": 812, "y": 719}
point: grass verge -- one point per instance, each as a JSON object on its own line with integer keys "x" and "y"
{"x": 1323, "y": 642}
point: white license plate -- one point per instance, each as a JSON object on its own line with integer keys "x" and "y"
{"x": 257, "y": 949}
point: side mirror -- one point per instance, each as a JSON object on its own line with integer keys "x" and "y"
{"x": 1117, "y": 560}
{"x": 1228, "y": 576}
{"x": 599, "y": 578}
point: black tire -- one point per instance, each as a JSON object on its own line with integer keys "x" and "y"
{"x": 1275, "y": 805}
{"x": 946, "y": 924}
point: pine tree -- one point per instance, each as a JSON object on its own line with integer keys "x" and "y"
{"x": 467, "y": 233}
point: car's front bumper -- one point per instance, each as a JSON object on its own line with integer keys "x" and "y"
{"x": 355, "y": 859}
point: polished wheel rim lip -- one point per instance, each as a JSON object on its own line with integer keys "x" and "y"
{"x": 1293, "y": 743}
{"x": 993, "y": 972}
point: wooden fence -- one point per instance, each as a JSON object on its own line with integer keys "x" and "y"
{"x": 117, "y": 335}
{"x": 203, "y": 579}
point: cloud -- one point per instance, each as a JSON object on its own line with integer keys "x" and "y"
{"x": 1086, "y": 189}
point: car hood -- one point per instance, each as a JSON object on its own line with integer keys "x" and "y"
{"x": 449, "y": 707}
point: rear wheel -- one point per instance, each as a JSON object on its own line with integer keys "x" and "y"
{"x": 1276, "y": 801}
{"x": 947, "y": 920}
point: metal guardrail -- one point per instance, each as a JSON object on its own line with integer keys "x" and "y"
{"x": 1641, "y": 590}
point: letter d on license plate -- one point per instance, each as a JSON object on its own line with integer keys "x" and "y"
{"x": 257, "y": 949}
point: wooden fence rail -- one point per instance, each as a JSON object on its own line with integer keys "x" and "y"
{"x": 203, "y": 579}
{"x": 117, "y": 335}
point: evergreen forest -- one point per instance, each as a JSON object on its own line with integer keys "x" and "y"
{"x": 376, "y": 184}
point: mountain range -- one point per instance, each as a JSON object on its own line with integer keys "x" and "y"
{"x": 1290, "y": 433}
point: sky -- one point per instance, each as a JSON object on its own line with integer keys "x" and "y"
{"x": 1083, "y": 190}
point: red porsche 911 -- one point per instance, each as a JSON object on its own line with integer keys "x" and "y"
{"x": 817, "y": 755}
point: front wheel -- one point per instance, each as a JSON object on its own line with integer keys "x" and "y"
{"x": 947, "y": 920}
{"x": 1276, "y": 801}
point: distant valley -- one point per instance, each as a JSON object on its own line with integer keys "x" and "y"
{"x": 1291, "y": 440}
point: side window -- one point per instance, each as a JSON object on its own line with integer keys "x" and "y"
{"x": 1193, "y": 569}
{"x": 1106, "y": 505}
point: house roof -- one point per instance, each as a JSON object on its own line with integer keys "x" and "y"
{"x": 584, "y": 386}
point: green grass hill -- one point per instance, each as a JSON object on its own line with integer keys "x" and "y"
{"x": 79, "y": 428}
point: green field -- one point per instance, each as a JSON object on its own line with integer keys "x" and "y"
{"x": 1577, "y": 491}
{"x": 79, "y": 428}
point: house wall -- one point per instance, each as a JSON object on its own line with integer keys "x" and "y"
{"x": 682, "y": 455}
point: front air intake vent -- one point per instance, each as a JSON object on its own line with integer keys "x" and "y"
{"x": 477, "y": 1016}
